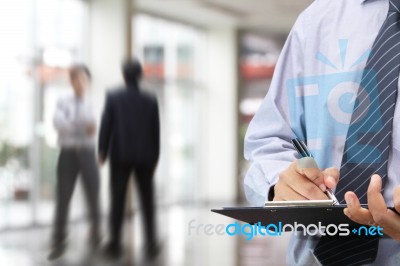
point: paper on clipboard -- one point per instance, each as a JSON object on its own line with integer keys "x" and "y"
{"x": 301, "y": 203}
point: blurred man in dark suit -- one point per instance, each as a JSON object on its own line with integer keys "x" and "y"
{"x": 130, "y": 137}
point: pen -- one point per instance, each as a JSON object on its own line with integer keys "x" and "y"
{"x": 303, "y": 150}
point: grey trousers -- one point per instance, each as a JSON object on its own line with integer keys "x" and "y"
{"x": 71, "y": 163}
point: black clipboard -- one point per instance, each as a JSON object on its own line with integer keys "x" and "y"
{"x": 305, "y": 215}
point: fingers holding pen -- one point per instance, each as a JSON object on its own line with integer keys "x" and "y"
{"x": 284, "y": 192}
{"x": 298, "y": 182}
{"x": 331, "y": 177}
{"x": 308, "y": 168}
{"x": 327, "y": 178}
{"x": 303, "y": 179}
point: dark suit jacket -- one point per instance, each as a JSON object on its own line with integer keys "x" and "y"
{"x": 130, "y": 130}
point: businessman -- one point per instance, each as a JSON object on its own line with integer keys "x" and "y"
{"x": 76, "y": 127}
{"x": 130, "y": 138}
{"x": 335, "y": 86}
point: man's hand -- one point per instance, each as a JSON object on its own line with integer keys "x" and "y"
{"x": 101, "y": 159}
{"x": 91, "y": 130}
{"x": 377, "y": 212}
{"x": 302, "y": 180}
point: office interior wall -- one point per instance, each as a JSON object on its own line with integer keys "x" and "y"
{"x": 220, "y": 109}
{"x": 108, "y": 45}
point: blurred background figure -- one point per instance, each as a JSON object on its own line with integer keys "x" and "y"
{"x": 76, "y": 127}
{"x": 209, "y": 63}
{"x": 130, "y": 137}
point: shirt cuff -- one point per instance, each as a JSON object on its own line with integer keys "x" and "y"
{"x": 257, "y": 185}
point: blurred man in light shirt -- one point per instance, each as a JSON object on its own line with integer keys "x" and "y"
{"x": 76, "y": 127}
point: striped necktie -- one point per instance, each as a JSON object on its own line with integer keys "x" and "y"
{"x": 368, "y": 140}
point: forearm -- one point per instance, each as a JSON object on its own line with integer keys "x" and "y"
{"x": 62, "y": 124}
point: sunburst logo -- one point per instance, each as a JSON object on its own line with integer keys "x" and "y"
{"x": 343, "y": 44}
{"x": 321, "y": 106}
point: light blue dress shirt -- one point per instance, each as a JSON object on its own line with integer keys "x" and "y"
{"x": 310, "y": 97}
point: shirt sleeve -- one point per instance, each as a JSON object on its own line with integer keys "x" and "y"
{"x": 61, "y": 120}
{"x": 268, "y": 139}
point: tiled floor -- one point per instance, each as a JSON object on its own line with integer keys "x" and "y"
{"x": 182, "y": 246}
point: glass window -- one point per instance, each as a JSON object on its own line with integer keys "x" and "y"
{"x": 41, "y": 39}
